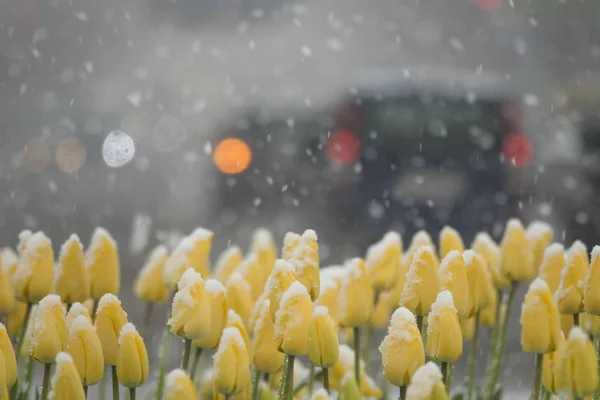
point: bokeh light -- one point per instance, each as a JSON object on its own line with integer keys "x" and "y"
{"x": 232, "y": 156}
{"x": 36, "y": 158}
{"x": 518, "y": 150}
{"x": 118, "y": 149}
{"x": 70, "y": 154}
{"x": 488, "y": 5}
{"x": 343, "y": 147}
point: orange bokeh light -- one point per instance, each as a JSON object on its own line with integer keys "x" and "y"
{"x": 232, "y": 156}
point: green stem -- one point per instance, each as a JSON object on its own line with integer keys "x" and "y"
{"x": 420, "y": 323}
{"x": 23, "y": 330}
{"x": 444, "y": 370}
{"x": 94, "y": 309}
{"x": 326, "y": 379}
{"x": 473, "y": 360}
{"x": 597, "y": 394}
{"x": 165, "y": 346}
{"x": 304, "y": 382}
{"x": 357, "y": 355}
{"x": 255, "y": 380}
{"x": 311, "y": 379}
{"x": 85, "y": 390}
{"x": 366, "y": 345}
{"x": 402, "y": 395}
{"x": 289, "y": 378}
{"x": 537, "y": 378}
{"x": 115, "y": 382}
{"x": 46, "y": 381}
{"x": 131, "y": 393}
{"x": 282, "y": 379}
{"x": 575, "y": 319}
{"x": 102, "y": 386}
{"x": 185, "y": 363}
{"x": 496, "y": 362}
{"x": 147, "y": 320}
{"x": 196, "y": 362}
{"x": 29, "y": 376}
{"x": 448, "y": 381}
{"x": 546, "y": 395}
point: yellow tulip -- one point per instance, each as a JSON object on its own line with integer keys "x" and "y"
{"x": 49, "y": 334}
{"x": 422, "y": 282}
{"x": 265, "y": 392}
{"x": 72, "y": 281}
{"x": 320, "y": 394}
{"x": 382, "y": 261}
{"x": 66, "y": 383}
{"x": 404, "y": 338}
{"x": 252, "y": 273}
{"x": 450, "y": 240}
{"x": 420, "y": 239}
{"x": 592, "y": 283}
{"x": 516, "y": 259}
{"x": 489, "y": 250}
{"x": 10, "y": 262}
{"x": 231, "y": 363}
{"x": 256, "y": 309}
{"x": 235, "y": 321}
{"x": 281, "y": 279}
{"x": 569, "y": 294}
{"x": 336, "y": 273}
{"x": 265, "y": 355}
{"x": 75, "y": 311}
{"x": 193, "y": 251}
{"x": 323, "y": 346}
{"x": 86, "y": 351}
{"x": 10, "y": 361}
{"x": 356, "y": 295}
{"x": 349, "y": 389}
{"x": 427, "y": 384}
{"x": 132, "y": 358}
{"x": 539, "y": 234}
{"x": 488, "y": 316}
{"x": 578, "y": 369}
{"x": 453, "y": 277}
{"x": 328, "y": 297}
{"x": 590, "y": 324}
{"x": 395, "y": 291}
{"x": 263, "y": 246}
{"x": 290, "y": 241}
{"x": 467, "y": 328}
{"x": 227, "y": 262}
{"x": 34, "y": 277}
{"x": 28, "y": 333}
{"x": 552, "y": 264}
{"x": 3, "y": 382}
{"x": 481, "y": 288}
{"x": 444, "y": 336}
{"x": 345, "y": 366}
{"x": 540, "y": 320}
{"x": 180, "y": 386}
{"x": 567, "y": 321}
{"x": 23, "y": 238}
{"x": 149, "y": 285}
{"x": 110, "y": 319}
{"x": 305, "y": 260}
{"x": 7, "y": 294}
{"x": 239, "y": 297}
{"x": 190, "y": 310}
{"x": 102, "y": 260}
{"x": 550, "y": 368}
{"x": 292, "y": 321}
{"x": 217, "y": 295}
{"x": 382, "y": 311}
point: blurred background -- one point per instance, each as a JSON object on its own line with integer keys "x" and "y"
{"x": 153, "y": 117}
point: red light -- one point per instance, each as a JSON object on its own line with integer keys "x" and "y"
{"x": 518, "y": 150}
{"x": 343, "y": 147}
{"x": 488, "y": 5}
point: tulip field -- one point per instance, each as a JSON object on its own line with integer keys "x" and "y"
{"x": 263, "y": 326}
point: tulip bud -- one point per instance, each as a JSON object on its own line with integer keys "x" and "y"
{"x": 10, "y": 262}
{"x": 481, "y": 288}
{"x": 290, "y": 241}
{"x": 328, "y": 297}
{"x": 110, "y": 319}
{"x": 569, "y": 294}
{"x": 567, "y": 321}
{"x": 450, "y": 240}
{"x": 422, "y": 283}
{"x": 540, "y": 320}
{"x": 72, "y": 281}
{"x": 488, "y": 316}
{"x": 453, "y": 277}
{"x": 305, "y": 260}
{"x": 590, "y": 324}
{"x": 33, "y": 279}
{"x": 420, "y": 239}
{"x": 252, "y": 273}
{"x": 489, "y": 250}
{"x": 349, "y": 389}
{"x": 263, "y": 246}
{"x": 281, "y": 279}
{"x": 217, "y": 295}
{"x": 24, "y": 236}
{"x": 76, "y": 310}
{"x": 3, "y": 381}
{"x": 323, "y": 346}
{"x": 190, "y": 311}
{"x": 234, "y": 321}
{"x": 550, "y": 368}
{"x": 10, "y": 361}
{"x": 149, "y": 285}
{"x": 265, "y": 392}
{"x": 49, "y": 334}
{"x": 578, "y": 369}
{"x": 382, "y": 261}
{"x": 7, "y": 294}
{"x": 231, "y": 363}
{"x": 395, "y": 291}
{"x": 539, "y": 235}
{"x": 592, "y": 283}
{"x": 227, "y": 262}
{"x": 516, "y": 259}
{"x": 427, "y": 384}
{"x": 193, "y": 251}
{"x": 239, "y": 297}
{"x": 345, "y": 366}
{"x": 444, "y": 336}
{"x": 467, "y": 328}
{"x": 382, "y": 311}
{"x": 180, "y": 386}
{"x": 132, "y": 358}
{"x": 102, "y": 260}
{"x": 403, "y": 337}
{"x": 66, "y": 383}
{"x": 86, "y": 351}
{"x": 292, "y": 321}
{"x": 552, "y": 265}
{"x": 265, "y": 355}
{"x": 320, "y": 394}
{"x": 356, "y": 295}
